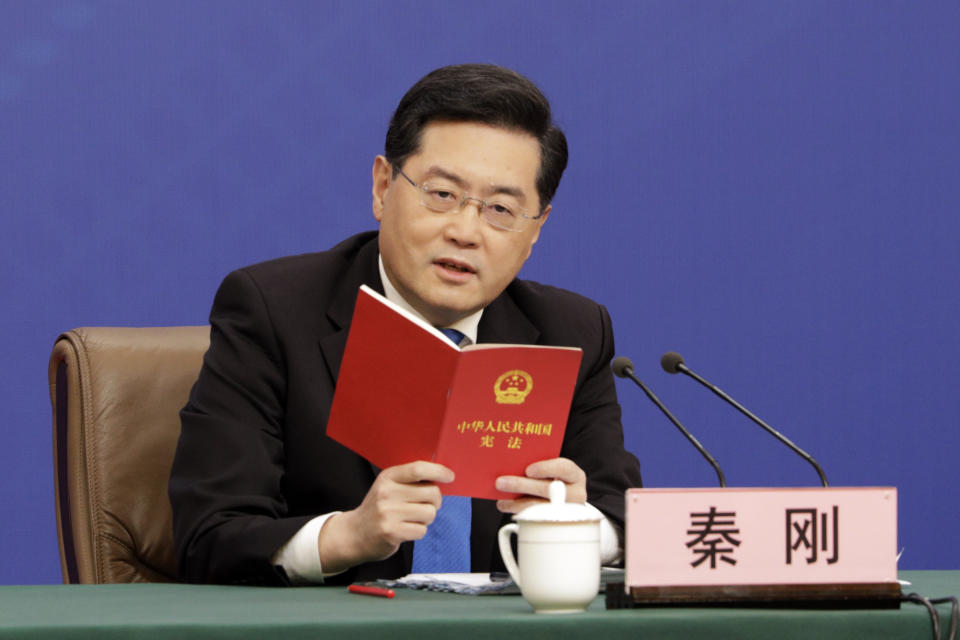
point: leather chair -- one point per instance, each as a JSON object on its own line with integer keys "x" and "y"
{"x": 116, "y": 396}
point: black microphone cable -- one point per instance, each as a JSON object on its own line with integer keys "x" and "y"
{"x": 930, "y": 604}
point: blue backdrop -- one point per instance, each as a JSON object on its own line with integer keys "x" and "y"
{"x": 769, "y": 187}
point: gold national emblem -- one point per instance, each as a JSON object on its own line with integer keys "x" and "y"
{"x": 513, "y": 387}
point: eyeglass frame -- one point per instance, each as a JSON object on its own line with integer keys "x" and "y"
{"x": 463, "y": 201}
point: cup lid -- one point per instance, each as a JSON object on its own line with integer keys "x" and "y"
{"x": 558, "y": 509}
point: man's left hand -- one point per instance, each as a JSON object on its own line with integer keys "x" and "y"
{"x": 535, "y": 486}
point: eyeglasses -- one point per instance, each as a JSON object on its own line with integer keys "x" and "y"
{"x": 503, "y": 213}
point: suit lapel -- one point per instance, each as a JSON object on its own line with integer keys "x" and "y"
{"x": 504, "y": 322}
{"x": 362, "y": 270}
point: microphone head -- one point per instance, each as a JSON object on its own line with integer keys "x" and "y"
{"x": 671, "y": 362}
{"x": 621, "y": 365}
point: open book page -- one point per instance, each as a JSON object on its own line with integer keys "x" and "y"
{"x": 420, "y": 322}
{"x": 492, "y": 345}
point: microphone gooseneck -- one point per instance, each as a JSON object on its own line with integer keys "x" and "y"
{"x": 623, "y": 368}
{"x": 672, "y": 362}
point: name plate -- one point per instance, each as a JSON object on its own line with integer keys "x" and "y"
{"x": 689, "y": 541}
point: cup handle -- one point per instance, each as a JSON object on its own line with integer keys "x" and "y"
{"x": 506, "y": 552}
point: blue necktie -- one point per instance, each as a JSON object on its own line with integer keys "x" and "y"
{"x": 446, "y": 547}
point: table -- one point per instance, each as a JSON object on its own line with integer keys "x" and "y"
{"x": 190, "y": 611}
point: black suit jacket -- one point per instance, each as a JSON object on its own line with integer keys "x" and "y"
{"x": 253, "y": 463}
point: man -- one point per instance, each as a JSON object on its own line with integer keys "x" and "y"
{"x": 259, "y": 493}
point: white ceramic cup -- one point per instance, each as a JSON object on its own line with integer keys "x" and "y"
{"x": 558, "y": 545}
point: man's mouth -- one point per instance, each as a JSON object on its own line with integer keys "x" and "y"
{"x": 454, "y": 266}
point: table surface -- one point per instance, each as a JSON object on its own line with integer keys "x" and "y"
{"x": 192, "y": 611}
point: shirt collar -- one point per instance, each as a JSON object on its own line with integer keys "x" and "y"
{"x": 467, "y": 326}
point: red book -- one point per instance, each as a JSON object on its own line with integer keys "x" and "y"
{"x": 406, "y": 393}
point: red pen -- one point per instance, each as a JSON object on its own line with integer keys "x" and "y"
{"x": 365, "y": 590}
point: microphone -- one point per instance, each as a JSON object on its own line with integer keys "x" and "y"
{"x": 672, "y": 362}
{"x": 623, "y": 368}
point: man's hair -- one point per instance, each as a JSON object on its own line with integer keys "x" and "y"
{"x": 479, "y": 93}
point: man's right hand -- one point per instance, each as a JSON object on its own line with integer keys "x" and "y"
{"x": 398, "y": 507}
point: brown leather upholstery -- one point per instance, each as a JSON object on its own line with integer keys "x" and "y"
{"x": 116, "y": 395}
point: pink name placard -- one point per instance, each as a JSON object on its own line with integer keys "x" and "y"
{"x": 760, "y": 536}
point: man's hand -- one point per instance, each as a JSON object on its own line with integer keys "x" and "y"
{"x": 536, "y": 485}
{"x": 400, "y": 504}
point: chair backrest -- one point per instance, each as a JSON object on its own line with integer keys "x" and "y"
{"x": 116, "y": 395}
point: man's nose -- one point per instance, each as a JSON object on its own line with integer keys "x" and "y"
{"x": 464, "y": 226}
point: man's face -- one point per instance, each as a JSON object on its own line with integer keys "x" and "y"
{"x": 449, "y": 265}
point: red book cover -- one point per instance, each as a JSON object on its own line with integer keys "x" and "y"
{"x": 406, "y": 393}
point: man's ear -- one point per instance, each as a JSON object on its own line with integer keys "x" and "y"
{"x": 382, "y": 176}
{"x": 539, "y": 222}
{"x": 542, "y": 220}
